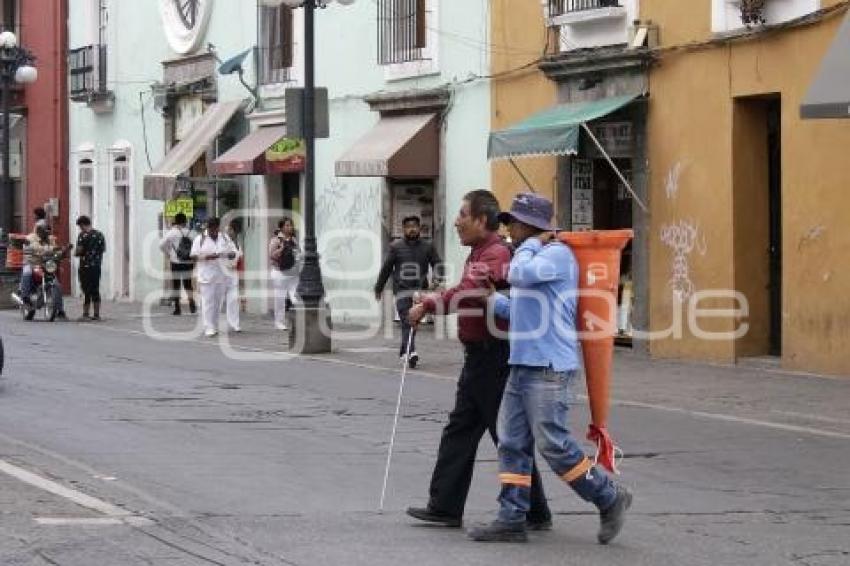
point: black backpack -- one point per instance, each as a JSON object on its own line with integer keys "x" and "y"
{"x": 287, "y": 256}
{"x": 183, "y": 251}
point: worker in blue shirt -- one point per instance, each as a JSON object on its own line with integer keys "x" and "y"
{"x": 544, "y": 359}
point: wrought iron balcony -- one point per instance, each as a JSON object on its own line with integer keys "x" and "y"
{"x": 87, "y": 70}
{"x": 753, "y": 12}
{"x": 561, "y": 7}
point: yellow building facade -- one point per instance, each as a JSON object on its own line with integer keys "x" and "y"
{"x": 730, "y": 156}
{"x": 519, "y": 38}
{"x": 742, "y": 251}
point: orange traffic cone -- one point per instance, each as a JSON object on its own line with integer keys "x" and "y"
{"x": 598, "y": 254}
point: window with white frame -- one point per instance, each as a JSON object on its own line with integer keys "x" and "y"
{"x": 120, "y": 171}
{"x": 402, "y": 32}
{"x": 407, "y": 37}
{"x": 85, "y": 187}
{"x": 120, "y": 231}
{"x": 734, "y": 15}
{"x": 276, "y": 45}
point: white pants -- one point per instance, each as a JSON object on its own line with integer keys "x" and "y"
{"x": 284, "y": 286}
{"x": 213, "y": 296}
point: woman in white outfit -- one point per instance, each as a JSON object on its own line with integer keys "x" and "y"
{"x": 216, "y": 257}
{"x": 283, "y": 265}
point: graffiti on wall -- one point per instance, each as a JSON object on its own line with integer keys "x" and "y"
{"x": 341, "y": 207}
{"x": 683, "y": 238}
{"x": 671, "y": 184}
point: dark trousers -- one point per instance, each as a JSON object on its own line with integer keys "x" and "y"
{"x": 181, "y": 276}
{"x": 90, "y": 283}
{"x": 403, "y": 305}
{"x": 479, "y": 395}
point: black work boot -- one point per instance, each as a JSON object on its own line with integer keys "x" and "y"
{"x": 544, "y": 524}
{"x": 430, "y": 516}
{"x": 612, "y": 519}
{"x": 498, "y": 531}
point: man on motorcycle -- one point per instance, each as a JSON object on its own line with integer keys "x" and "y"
{"x": 38, "y": 244}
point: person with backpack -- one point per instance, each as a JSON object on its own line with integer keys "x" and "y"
{"x": 177, "y": 245}
{"x": 283, "y": 265}
{"x": 216, "y": 255}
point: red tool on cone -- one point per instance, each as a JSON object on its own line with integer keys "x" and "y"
{"x": 598, "y": 254}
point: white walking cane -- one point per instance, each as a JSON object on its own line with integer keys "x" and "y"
{"x": 395, "y": 420}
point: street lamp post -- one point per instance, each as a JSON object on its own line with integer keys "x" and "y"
{"x": 308, "y": 334}
{"x": 15, "y": 67}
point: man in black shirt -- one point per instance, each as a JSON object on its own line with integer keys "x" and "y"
{"x": 408, "y": 261}
{"x": 91, "y": 245}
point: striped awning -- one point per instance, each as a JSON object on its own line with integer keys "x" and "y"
{"x": 554, "y": 131}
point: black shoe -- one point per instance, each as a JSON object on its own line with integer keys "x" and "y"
{"x": 414, "y": 359}
{"x": 498, "y": 531}
{"x": 96, "y": 318}
{"x": 61, "y": 315}
{"x": 612, "y": 519}
{"x": 192, "y": 308}
{"x": 539, "y": 524}
{"x": 429, "y": 516}
{"x": 30, "y": 314}
{"x": 177, "y": 312}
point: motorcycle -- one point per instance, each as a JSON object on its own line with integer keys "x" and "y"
{"x": 45, "y": 288}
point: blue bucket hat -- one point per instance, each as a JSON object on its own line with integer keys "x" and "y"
{"x": 530, "y": 209}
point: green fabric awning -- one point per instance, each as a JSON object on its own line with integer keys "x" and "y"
{"x": 554, "y": 131}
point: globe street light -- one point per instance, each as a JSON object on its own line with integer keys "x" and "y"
{"x": 307, "y": 335}
{"x": 16, "y": 66}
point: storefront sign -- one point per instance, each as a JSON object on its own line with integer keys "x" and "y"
{"x": 185, "y": 205}
{"x": 288, "y": 155}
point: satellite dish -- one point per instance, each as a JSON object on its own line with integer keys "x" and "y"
{"x": 234, "y": 64}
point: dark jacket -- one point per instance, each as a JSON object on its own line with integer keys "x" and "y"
{"x": 408, "y": 263}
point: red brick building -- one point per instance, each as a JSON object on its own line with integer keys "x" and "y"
{"x": 39, "y": 113}
{"x": 44, "y": 32}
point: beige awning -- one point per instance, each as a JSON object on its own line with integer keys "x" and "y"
{"x": 398, "y": 146}
{"x": 160, "y": 182}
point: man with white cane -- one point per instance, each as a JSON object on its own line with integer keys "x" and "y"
{"x": 544, "y": 367}
{"x": 485, "y": 369}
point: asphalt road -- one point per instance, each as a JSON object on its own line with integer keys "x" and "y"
{"x": 120, "y": 450}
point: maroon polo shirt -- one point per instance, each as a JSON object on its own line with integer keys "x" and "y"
{"x": 488, "y": 261}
